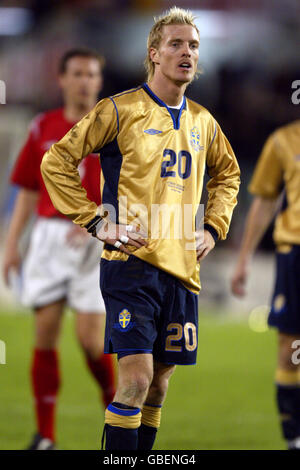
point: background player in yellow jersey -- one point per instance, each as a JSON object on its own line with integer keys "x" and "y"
{"x": 154, "y": 146}
{"x": 279, "y": 168}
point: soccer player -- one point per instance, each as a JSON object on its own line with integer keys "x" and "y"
{"x": 154, "y": 146}
{"x": 278, "y": 169}
{"x": 62, "y": 264}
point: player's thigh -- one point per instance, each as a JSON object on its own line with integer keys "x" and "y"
{"x": 48, "y": 320}
{"x": 89, "y": 323}
{"x": 162, "y": 372}
{"x": 128, "y": 289}
{"x": 90, "y": 330}
{"x": 84, "y": 293}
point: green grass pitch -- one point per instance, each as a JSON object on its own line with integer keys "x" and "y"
{"x": 226, "y": 401}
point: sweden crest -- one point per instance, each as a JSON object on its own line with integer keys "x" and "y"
{"x": 195, "y": 139}
{"x": 124, "y": 318}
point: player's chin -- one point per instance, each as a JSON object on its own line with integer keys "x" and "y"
{"x": 184, "y": 78}
{"x": 83, "y": 100}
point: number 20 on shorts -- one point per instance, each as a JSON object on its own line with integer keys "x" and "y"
{"x": 190, "y": 339}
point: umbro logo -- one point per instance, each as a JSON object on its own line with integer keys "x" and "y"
{"x": 152, "y": 131}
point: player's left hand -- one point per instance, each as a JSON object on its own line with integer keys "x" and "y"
{"x": 77, "y": 236}
{"x": 120, "y": 235}
{"x": 204, "y": 243}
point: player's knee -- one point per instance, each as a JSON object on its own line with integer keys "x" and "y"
{"x": 136, "y": 385}
{"x": 159, "y": 388}
{"x": 47, "y": 323}
{"x": 140, "y": 383}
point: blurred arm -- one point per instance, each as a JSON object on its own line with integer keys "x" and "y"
{"x": 258, "y": 219}
{"x": 24, "y": 208}
{"x": 265, "y": 185}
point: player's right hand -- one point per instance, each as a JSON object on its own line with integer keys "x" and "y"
{"x": 121, "y": 235}
{"x": 11, "y": 262}
{"x": 238, "y": 280}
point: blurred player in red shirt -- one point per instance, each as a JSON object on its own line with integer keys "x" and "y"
{"x": 62, "y": 263}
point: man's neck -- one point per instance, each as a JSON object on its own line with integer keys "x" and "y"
{"x": 74, "y": 113}
{"x": 169, "y": 92}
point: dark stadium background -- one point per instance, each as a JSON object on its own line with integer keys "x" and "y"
{"x": 249, "y": 53}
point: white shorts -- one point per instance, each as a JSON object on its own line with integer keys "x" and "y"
{"x": 54, "y": 270}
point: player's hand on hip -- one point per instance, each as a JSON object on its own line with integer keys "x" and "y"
{"x": 121, "y": 235}
{"x": 204, "y": 243}
{"x": 239, "y": 279}
{"x": 11, "y": 262}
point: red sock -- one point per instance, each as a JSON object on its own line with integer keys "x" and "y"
{"x": 103, "y": 371}
{"x": 45, "y": 384}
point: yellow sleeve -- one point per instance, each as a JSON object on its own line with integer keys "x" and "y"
{"x": 267, "y": 177}
{"x": 223, "y": 185}
{"x": 59, "y": 164}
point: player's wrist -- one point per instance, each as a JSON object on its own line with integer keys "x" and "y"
{"x": 244, "y": 261}
{"x": 209, "y": 228}
{"x": 95, "y": 225}
{"x": 102, "y": 229}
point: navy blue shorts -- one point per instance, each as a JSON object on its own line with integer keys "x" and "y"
{"x": 148, "y": 311}
{"x": 285, "y": 308}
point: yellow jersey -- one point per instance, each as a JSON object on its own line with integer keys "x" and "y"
{"x": 278, "y": 169}
{"x": 151, "y": 160}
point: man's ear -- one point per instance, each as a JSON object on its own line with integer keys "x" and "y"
{"x": 154, "y": 55}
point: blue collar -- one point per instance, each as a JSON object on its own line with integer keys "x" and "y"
{"x": 176, "y": 122}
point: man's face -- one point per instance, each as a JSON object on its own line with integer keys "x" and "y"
{"x": 177, "y": 55}
{"x": 82, "y": 81}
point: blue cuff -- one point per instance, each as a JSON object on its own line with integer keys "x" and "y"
{"x": 123, "y": 412}
{"x": 153, "y": 406}
{"x": 212, "y": 231}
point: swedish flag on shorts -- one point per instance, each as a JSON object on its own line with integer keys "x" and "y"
{"x": 124, "y": 318}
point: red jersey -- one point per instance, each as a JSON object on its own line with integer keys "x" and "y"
{"x": 45, "y": 130}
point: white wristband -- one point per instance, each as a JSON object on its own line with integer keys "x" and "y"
{"x": 124, "y": 239}
{"x": 117, "y": 244}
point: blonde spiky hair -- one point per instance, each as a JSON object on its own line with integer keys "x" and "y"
{"x": 173, "y": 16}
